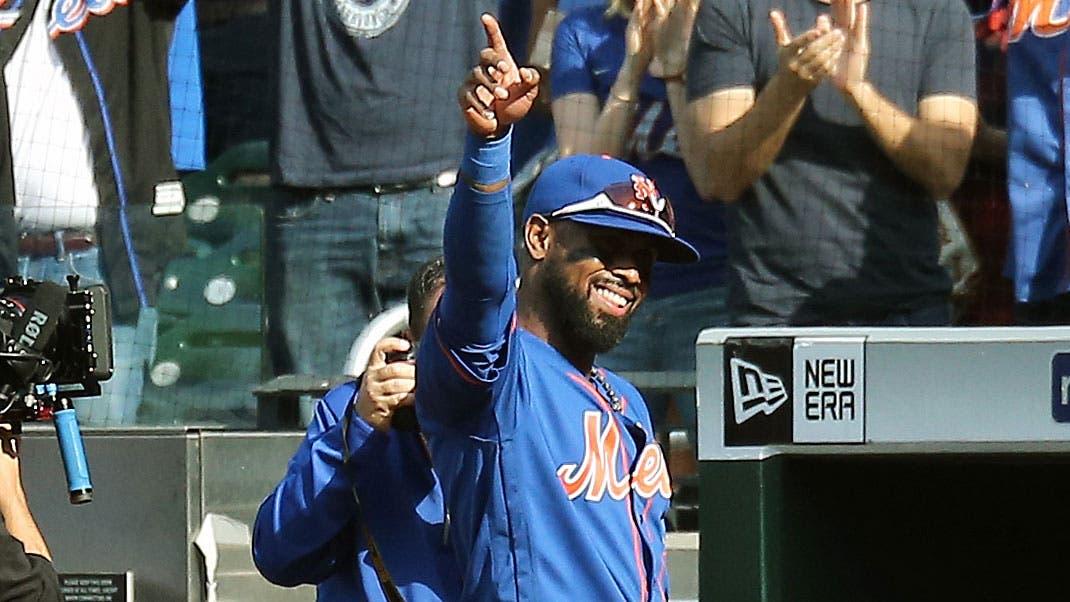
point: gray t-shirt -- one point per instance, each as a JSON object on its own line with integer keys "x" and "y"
{"x": 833, "y": 232}
{"x": 367, "y": 89}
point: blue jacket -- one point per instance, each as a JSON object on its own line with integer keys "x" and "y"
{"x": 554, "y": 494}
{"x": 306, "y": 530}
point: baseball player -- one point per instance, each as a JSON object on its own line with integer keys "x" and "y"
{"x": 1037, "y": 82}
{"x": 372, "y": 528}
{"x": 556, "y": 486}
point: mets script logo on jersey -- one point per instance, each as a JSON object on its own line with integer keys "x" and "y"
{"x": 9, "y": 13}
{"x": 599, "y": 472}
{"x": 369, "y": 18}
{"x": 1046, "y": 18}
{"x": 69, "y": 16}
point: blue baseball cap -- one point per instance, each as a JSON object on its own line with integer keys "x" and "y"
{"x": 601, "y": 191}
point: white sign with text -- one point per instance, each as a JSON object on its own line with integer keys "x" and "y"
{"x": 829, "y": 390}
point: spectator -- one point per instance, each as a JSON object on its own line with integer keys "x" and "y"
{"x": 95, "y": 188}
{"x": 317, "y": 525}
{"x": 532, "y": 441}
{"x": 367, "y": 142}
{"x": 831, "y": 145}
{"x": 1037, "y": 79}
{"x": 607, "y": 101}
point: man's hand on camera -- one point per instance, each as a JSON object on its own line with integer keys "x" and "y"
{"x": 386, "y": 386}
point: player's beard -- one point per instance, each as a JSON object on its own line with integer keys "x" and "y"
{"x": 572, "y": 312}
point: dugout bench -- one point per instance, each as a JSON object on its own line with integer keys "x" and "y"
{"x": 884, "y": 464}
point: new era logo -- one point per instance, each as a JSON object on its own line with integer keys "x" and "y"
{"x": 754, "y": 392}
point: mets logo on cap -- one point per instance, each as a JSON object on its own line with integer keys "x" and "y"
{"x": 647, "y": 197}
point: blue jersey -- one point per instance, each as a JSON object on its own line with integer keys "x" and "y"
{"x": 588, "y": 54}
{"x": 1038, "y": 90}
{"x": 306, "y": 530}
{"x": 554, "y": 495}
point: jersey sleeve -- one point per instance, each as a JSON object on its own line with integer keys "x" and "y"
{"x": 720, "y": 54}
{"x": 569, "y": 73}
{"x": 299, "y": 525}
{"x": 25, "y": 576}
{"x": 466, "y": 345}
{"x": 950, "y": 53}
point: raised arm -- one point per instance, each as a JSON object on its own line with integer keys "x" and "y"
{"x": 736, "y": 134}
{"x": 470, "y": 326}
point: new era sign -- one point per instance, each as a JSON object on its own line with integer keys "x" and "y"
{"x": 794, "y": 390}
{"x": 829, "y": 390}
{"x": 754, "y": 391}
{"x": 757, "y": 373}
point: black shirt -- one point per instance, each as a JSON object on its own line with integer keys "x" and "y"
{"x": 25, "y": 577}
{"x": 367, "y": 89}
{"x": 833, "y": 231}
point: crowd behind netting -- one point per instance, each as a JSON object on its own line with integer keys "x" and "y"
{"x": 256, "y": 181}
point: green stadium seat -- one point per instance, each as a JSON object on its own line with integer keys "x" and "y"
{"x": 211, "y": 346}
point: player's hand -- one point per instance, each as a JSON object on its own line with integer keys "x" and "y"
{"x": 385, "y": 387}
{"x": 670, "y": 45}
{"x": 811, "y": 56}
{"x": 497, "y": 93}
{"x": 853, "y": 19}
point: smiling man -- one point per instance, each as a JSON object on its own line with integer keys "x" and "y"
{"x": 556, "y": 486}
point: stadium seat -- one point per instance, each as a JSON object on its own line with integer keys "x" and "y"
{"x": 211, "y": 348}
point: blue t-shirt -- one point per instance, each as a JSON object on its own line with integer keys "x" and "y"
{"x": 306, "y": 530}
{"x": 367, "y": 89}
{"x": 554, "y": 494}
{"x": 1038, "y": 103}
{"x": 588, "y": 54}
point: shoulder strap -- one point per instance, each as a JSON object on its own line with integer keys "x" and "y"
{"x": 390, "y": 589}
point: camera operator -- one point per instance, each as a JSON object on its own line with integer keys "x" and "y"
{"x": 26, "y": 572}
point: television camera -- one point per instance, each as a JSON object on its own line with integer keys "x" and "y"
{"x": 55, "y": 346}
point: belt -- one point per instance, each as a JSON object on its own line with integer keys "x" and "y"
{"x": 445, "y": 179}
{"x": 57, "y": 243}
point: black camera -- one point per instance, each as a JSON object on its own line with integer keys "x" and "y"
{"x": 55, "y": 345}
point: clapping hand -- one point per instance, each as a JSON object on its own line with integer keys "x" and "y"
{"x": 853, "y": 19}
{"x": 673, "y": 37}
{"x": 644, "y": 26}
{"x": 498, "y": 93}
{"x": 811, "y": 56}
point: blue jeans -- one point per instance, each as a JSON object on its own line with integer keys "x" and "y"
{"x": 662, "y": 338}
{"x": 132, "y": 345}
{"x": 340, "y": 259}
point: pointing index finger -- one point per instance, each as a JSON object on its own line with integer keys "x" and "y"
{"x": 495, "y": 39}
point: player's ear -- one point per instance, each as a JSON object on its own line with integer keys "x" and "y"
{"x": 537, "y": 233}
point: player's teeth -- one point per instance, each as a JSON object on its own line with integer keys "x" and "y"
{"x": 614, "y": 297}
